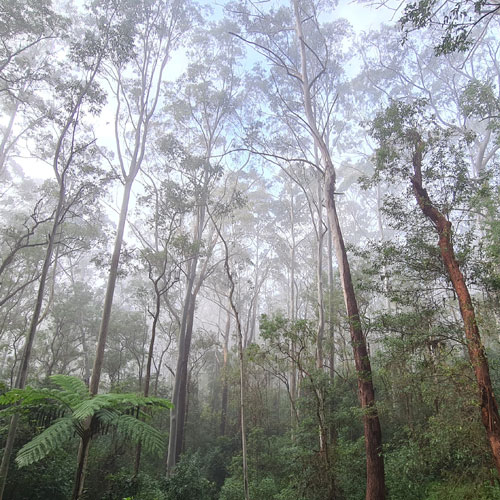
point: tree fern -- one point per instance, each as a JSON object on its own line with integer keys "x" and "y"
{"x": 73, "y": 400}
{"x": 18, "y": 398}
{"x": 50, "y": 439}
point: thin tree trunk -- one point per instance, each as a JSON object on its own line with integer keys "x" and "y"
{"x": 375, "y": 481}
{"x": 177, "y": 414}
{"x": 477, "y": 355}
{"x": 241, "y": 363}
{"x": 181, "y": 371}
{"x": 147, "y": 377}
{"x": 293, "y": 314}
{"x": 225, "y": 383}
{"x": 30, "y": 337}
{"x": 110, "y": 290}
{"x": 60, "y": 174}
{"x": 81, "y": 468}
{"x": 103, "y": 332}
{"x": 331, "y": 307}
{"x": 184, "y": 382}
{"x": 319, "y": 278}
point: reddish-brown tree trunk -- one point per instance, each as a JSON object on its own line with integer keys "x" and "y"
{"x": 375, "y": 479}
{"x": 477, "y": 355}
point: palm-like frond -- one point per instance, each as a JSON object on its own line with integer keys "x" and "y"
{"x": 138, "y": 431}
{"x": 89, "y": 407}
{"x": 30, "y": 396}
{"x": 49, "y": 440}
{"x": 72, "y": 386}
{"x": 104, "y": 410}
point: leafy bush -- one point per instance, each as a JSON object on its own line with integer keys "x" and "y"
{"x": 452, "y": 490}
{"x": 189, "y": 481}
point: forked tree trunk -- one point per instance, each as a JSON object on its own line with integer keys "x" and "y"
{"x": 180, "y": 383}
{"x": 477, "y": 355}
{"x": 179, "y": 395}
{"x": 184, "y": 382}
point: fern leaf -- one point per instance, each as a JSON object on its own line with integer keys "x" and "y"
{"x": 137, "y": 431}
{"x": 71, "y": 385}
{"x": 29, "y": 396}
{"x": 105, "y": 416}
{"x": 88, "y": 407}
{"x": 49, "y": 440}
{"x": 117, "y": 402}
{"x": 11, "y": 397}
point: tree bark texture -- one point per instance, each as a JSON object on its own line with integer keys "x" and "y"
{"x": 319, "y": 277}
{"x": 375, "y": 480}
{"x": 331, "y": 307}
{"x": 241, "y": 357}
{"x": 110, "y": 290}
{"x": 83, "y": 453}
{"x": 477, "y": 355}
{"x": 180, "y": 384}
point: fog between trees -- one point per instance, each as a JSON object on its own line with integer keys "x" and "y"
{"x": 249, "y": 251}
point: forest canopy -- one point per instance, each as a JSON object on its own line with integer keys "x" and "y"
{"x": 249, "y": 250}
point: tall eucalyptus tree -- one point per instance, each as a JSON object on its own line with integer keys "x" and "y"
{"x": 300, "y": 52}
{"x": 157, "y": 29}
{"x": 69, "y": 150}
{"x": 205, "y": 104}
{"x": 408, "y": 151}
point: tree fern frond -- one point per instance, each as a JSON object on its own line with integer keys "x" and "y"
{"x": 89, "y": 407}
{"x": 137, "y": 431}
{"x": 71, "y": 384}
{"x": 11, "y": 397}
{"x": 105, "y": 416}
{"x": 49, "y": 440}
{"x": 30, "y": 396}
{"x": 135, "y": 400}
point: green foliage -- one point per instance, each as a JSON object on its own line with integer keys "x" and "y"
{"x": 479, "y": 100}
{"x": 138, "y": 431}
{"x": 45, "y": 443}
{"x": 454, "y": 19}
{"x": 471, "y": 490}
{"x": 189, "y": 481}
{"x": 105, "y": 411}
{"x": 50, "y": 478}
{"x": 142, "y": 487}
